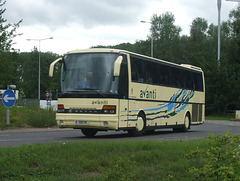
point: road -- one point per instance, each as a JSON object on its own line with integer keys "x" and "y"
{"x": 18, "y": 137}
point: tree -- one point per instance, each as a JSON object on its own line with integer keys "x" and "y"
{"x": 233, "y": 57}
{"x": 7, "y": 30}
{"x": 7, "y": 59}
{"x": 196, "y": 47}
{"x": 166, "y": 36}
{"x": 29, "y": 74}
{"x": 48, "y": 83}
{"x": 198, "y": 29}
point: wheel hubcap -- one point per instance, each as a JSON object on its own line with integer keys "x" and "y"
{"x": 140, "y": 124}
{"x": 186, "y": 122}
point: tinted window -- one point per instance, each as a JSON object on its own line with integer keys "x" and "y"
{"x": 187, "y": 79}
{"x": 137, "y": 70}
{"x": 151, "y": 72}
{"x": 198, "y": 82}
{"x": 164, "y": 75}
{"x": 176, "y": 77}
{"x": 144, "y": 71}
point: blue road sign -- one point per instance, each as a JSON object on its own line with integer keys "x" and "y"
{"x": 8, "y": 98}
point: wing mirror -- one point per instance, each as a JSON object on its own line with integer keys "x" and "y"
{"x": 117, "y": 66}
{"x": 51, "y": 68}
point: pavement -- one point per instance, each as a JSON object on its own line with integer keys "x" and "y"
{"x": 55, "y": 128}
{"x": 30, "y": 129}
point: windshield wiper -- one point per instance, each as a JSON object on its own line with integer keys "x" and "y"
{"x": 94, "y": 90}
{"x": 85, "y": 89}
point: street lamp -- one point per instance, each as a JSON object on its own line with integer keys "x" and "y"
{"x": 151, "y": 38}
{"x": 39, "y": 40}
{"x": 219, "y": 4}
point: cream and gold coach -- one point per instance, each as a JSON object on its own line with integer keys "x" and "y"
{"x": 110, "y": 89}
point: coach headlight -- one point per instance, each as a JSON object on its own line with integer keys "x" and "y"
{"x": 61, "y": 108}
{"x": 109, "y": 109}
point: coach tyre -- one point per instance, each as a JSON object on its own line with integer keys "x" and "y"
{"x": 186, "y": 126}
{"x": 140, "y": 126}
{"x": 89, "y": 132}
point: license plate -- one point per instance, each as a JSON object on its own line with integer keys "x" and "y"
{"x": 81, "y": 122}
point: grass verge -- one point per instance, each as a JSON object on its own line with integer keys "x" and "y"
{"x": 138, "y": 160}
{"x": 220, "y": 117}
{"x": 27, "y": 116}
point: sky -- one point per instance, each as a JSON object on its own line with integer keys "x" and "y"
{"x": 80, "y": 24}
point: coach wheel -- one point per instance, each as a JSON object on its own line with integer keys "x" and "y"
{"x": 140, "y": 126}
{"x": 186, "y": 125}
{"x": 89, "y": 132}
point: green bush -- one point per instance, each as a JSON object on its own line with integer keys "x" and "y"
{"x": 27, "y": 116}
{"x": 221, "y": 161}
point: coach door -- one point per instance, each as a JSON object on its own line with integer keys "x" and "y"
{"x": 123, "y": 93}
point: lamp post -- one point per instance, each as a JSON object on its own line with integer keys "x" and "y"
{"x": 39, "y": 68}
{"x": 151, "y": 38}
{"x": 219, "y": 4}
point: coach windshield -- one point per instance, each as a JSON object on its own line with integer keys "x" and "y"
{"x": 89, "y": 74}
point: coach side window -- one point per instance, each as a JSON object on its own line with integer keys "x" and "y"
{"x": 137, "y": 70}
{"x": 176, "y": 77}
{"x": 164, "y": 74}
{"x": 198, "y": 82}
{"x": 151, "y": 72}
{"x": 187, "y": 79}
{"x": 134, "y": 71}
